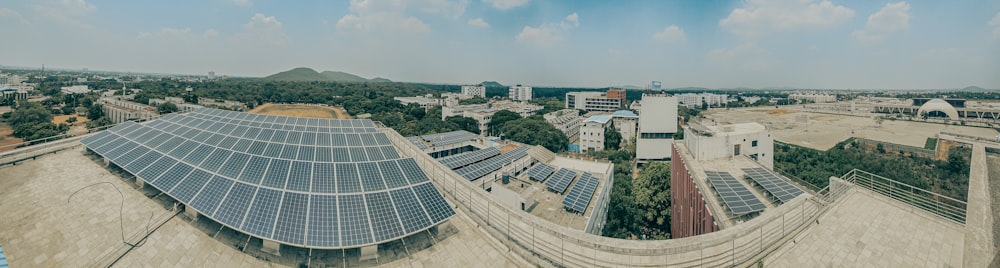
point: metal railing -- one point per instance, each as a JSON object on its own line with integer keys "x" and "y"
{"x": 544, "y": 243}
{"x": 946, "y": 207}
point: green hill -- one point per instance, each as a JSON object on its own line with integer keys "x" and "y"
{"x": 307, "y": 74}
{"x": 491, "y": 84}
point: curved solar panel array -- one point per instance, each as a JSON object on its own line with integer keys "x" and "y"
{"x": 317, "y": 183}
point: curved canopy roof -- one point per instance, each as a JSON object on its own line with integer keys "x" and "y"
{"x": 316, "y": 183}
{"x": 938, "y": 105}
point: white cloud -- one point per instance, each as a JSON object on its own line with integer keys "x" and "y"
{"x": 671, "y": 34}
{"x": 210, "y": 33}
{"x": 746, "y": 56}
{"x": 67, "y": 12}
{"x": 549, "y": 34}
{"x": 242, "y": 3}
{"x": 478, "y": 22}
{"x": 995, "y": 23}
{"x": 891, "y": 18}
{"x": 506, "y": 4}
{"x": 394, "y": 15}
{"x": 264, "y": 29}
{"x": 13, "y": 14}
{"x": 168, "y": 34}
{"x": 572, "y": 20}
{"x": 760, "y": 17}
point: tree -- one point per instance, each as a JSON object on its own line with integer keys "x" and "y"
{"x": 704, "y": 105}
{"x": 71, "y": 120}
{"x": 68, "y": 109}
{"x": 499, "y": 119}
{"x": 535, "y": 131}
{"x": 464, "y": 123}
{"x": 652, "y": 193}
{"x": 95, "y": 112}
{"x": 167, "y": 107}
{"x": 612, "y": 139}
{"x": 32, "y": 121}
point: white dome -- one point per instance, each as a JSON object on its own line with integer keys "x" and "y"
{"x": 938, "y": 105}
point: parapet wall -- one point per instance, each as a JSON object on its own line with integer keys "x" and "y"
{"x": 547, "y": 244}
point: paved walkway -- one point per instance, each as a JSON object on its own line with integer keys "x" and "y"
{"x": 868, "y": 230}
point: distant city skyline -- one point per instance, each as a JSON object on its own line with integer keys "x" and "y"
{"x": 712, "y": 44}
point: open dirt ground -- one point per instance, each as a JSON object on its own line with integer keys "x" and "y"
{"x": 301, "y": 110}
{"x": 7, "y": 142}
{"x": 823, "y": 131}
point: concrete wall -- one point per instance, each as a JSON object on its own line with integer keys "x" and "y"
{"x": 722, "y": 146}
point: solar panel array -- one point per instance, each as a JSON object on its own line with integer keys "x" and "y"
{"x": 779, "y": 188}
{"x": 464, "y": 159}
{"x": 477, "y": 170}
{"x": 442, "y": 139}
{"x": 579, "y": 197}
{"x": 540, "y": 171}
{"x": 734, "y": 195}
{"x": 561, "y": 180}
{"x": 317, "y": 183}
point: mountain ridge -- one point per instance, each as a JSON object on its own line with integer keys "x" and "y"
{"x": 304, "y": 74}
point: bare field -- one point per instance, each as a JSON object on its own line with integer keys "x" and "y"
{"x": 7, "y": 140}
{"x": 301, "y": 110}
{"x": 59, "y": 119}
{"x": 823, "y": 131}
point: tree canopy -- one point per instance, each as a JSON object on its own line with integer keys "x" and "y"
{"x": 166, "y": 108}
{"x": 500, "y": 118}
{"x": 612, "y": 139}
{"x": 535, "y": 131}
{"x": 32, "y": 121}
{"x": 652, "y": 195}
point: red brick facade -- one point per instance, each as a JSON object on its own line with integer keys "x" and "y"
{"x": 689, "y": 215}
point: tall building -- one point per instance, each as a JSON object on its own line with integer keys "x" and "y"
{"x": 592, "y": 132}
{"x": 657, "y": 125}
{"x": 474, "y": 90}
{"x": 211, "y": 75}
{"x": 520, "y": 93}
{"x": 610, "y": 101}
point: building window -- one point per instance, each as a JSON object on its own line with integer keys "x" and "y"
{"x": 753, "y": 143}
{"x": 736, "y": 149}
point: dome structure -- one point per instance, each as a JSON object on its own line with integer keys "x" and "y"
{"x": 938, "y": 106}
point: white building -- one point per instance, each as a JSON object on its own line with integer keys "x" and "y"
{"x": 627, "y": 124}
{"x": 695, "y": 100}
{"x": 814, "y": 97}
{"x": 483, "y": 113}
{"x": 592, "y": 132}
{"x": 610, "y": 101}
{"x": 567, "y": 121}
{"x": 657, "y": 125}
{"x": 80, "y": 89}
{"x": 225, "y": 104}
{"x": 520, "y": 93}
{"x": 120, "y": 110}
{"x": 428, "y": 101}
{"x": 723, "y": 141}
{"x": 476, "y": 90}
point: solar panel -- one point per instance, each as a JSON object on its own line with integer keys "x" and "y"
{"x": 301, "y": 182}
{"x": 776, "y": 186}
{"x": 540, "y": 172}
{"x": 478, "y": 170}
{"x": 460, "y": 160}
{"x": 579, "y": 196}
{"x": 561, "y": 180}
{"x": 736, "y": 197}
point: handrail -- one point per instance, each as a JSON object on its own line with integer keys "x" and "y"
{"x": 949, "y": 208}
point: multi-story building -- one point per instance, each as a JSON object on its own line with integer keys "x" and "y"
{"x": 627, "y": 124}
{"x": 724, "y": 141}
{"x": 814, "y": 97}
{"x": 182, "y": 105}
{"x": 520, "y": 93}
{"x": 592, "y": 132}
{"x": 567, "y": 121}
{"x": 483, "y": 113}
{"x": 118, "y": 110}
{"x": 474, "y": 90}
{"x": 610, "y": 101}
{"x": 225, "y": 104}
{"x": 695, "y": 100}
{"x": 79, "y": 89}
{"x": 15, "y": 94}
{"x": 428, "y": 101}
{"x": 657, "y": 125}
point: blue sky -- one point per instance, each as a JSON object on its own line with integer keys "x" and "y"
{"x": 717, "y": 44}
